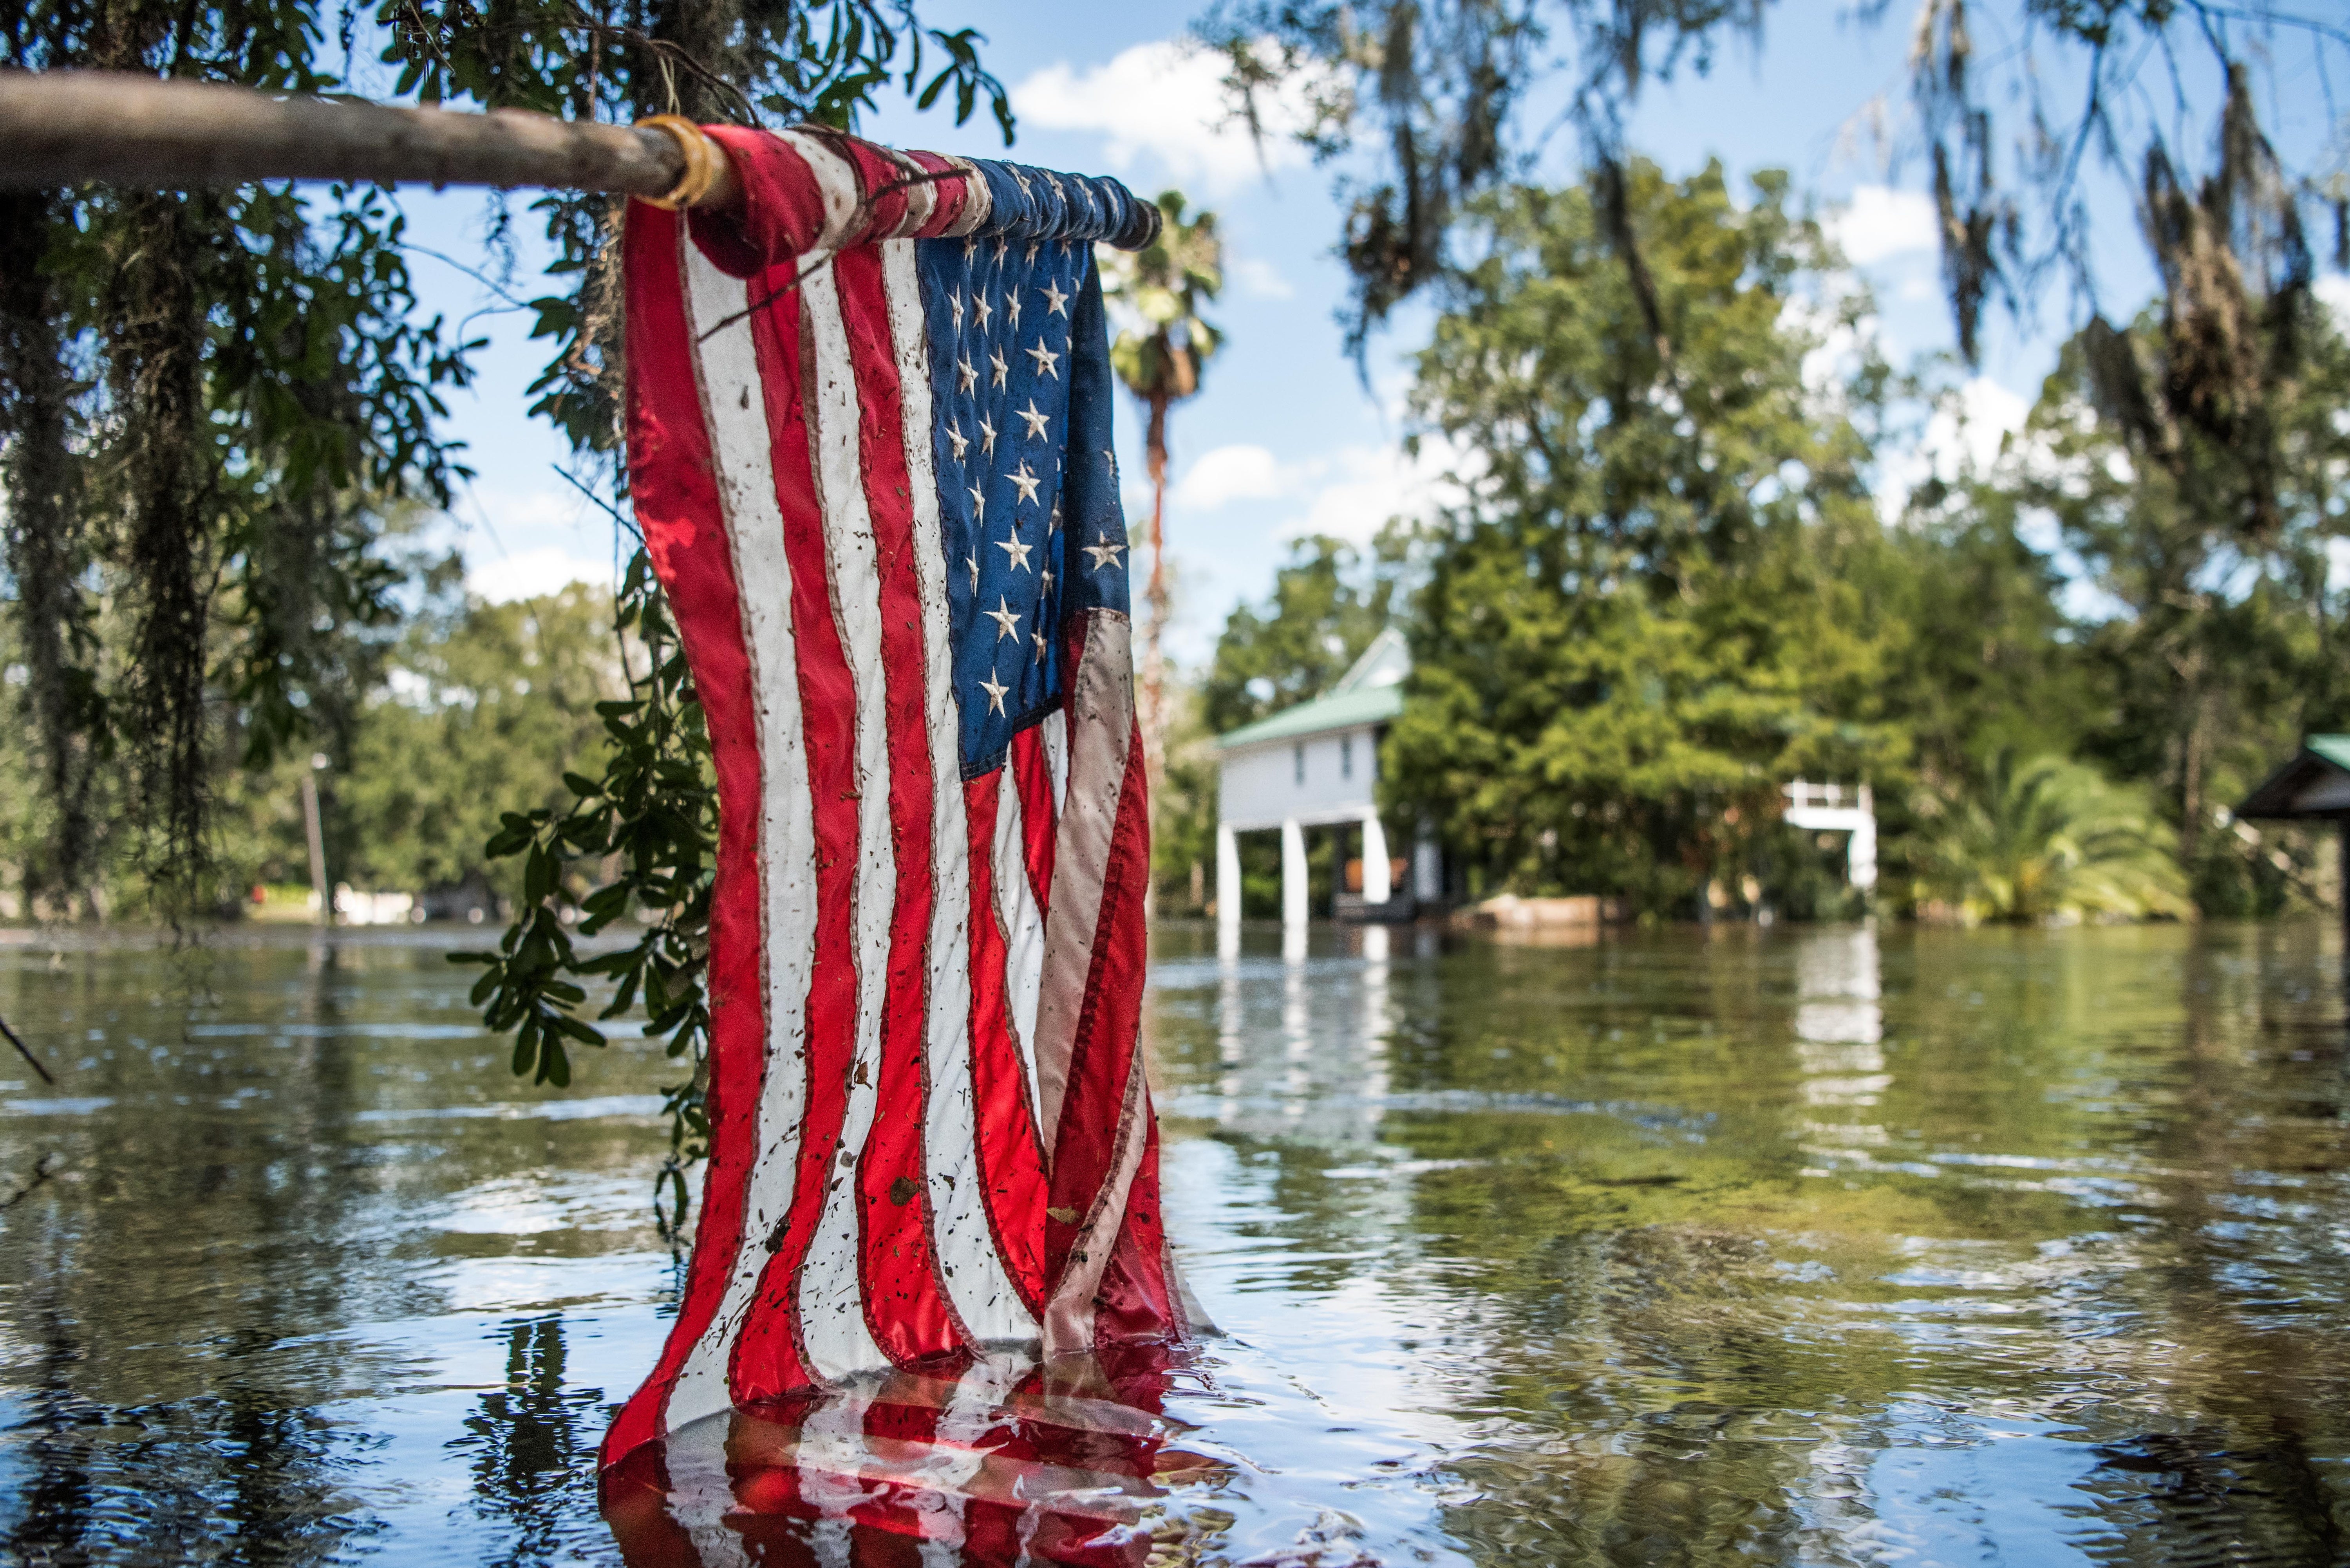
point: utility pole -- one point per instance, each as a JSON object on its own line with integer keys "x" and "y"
{"x": 318, "y": 839}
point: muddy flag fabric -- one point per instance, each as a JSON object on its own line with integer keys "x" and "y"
{"x": 869, "y": 448}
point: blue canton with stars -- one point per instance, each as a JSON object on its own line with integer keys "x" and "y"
{"x": 1028, "y": 496}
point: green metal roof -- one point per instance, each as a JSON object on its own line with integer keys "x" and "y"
{"x": 2307, "y": 785}
{"x": 1339, "y": 710}
{"x": 2335, "y": 749}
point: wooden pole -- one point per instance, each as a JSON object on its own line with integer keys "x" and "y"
{"x": 64, "y": 128}
{"x": 317, "y": 845}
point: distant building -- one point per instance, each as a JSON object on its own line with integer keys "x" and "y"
{"x": 2313, "y": 785}
{"x": 1318, "y": 766}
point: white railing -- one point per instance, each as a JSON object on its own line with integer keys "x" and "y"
{"x": 1839, "y": 808}
{"x": 1803, "y": 796}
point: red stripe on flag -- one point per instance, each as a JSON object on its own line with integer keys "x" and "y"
{"x": 1085, "y": 1142}
{"x": 1011, "y": 1162}
{"x": 781, "y": 213}
{"x": 906, "y": 1303}
{"x": 769, "y": 1359}
{"x": 1040, "y": 823}
{"x": 1135, "y": 1299}
{"x": 951, "y": 195}
{"x": 676, "y": 497}
{"x": 876, "y": 171}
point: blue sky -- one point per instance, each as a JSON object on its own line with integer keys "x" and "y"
{"x": 1284, "y": 438}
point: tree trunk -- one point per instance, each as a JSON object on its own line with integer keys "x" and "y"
{"x": 1154, "y": 669}
{"x": 2191, "y": 781}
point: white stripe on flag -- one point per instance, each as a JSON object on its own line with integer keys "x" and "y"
{"x": 976, "y": 1280}
{"x": 976, "y": 202}
{"x": 1024, "y": 927}
{"x": 832, "y": 1313}
{"x": 736, "y": 411}
{"x": 922, "y": 195}
{"x": 1101, "y": 709}
{"x": 836, "y": 182}
{"x": 1057, "y": 756}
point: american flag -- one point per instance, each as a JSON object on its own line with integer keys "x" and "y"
{"x": 869, "y": 448}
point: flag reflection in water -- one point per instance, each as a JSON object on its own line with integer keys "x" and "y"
{"x": 1008, "y": 1462}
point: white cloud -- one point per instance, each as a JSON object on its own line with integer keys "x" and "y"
{"x": 1881, "y": 222}
{"x": 1963, "y": 432}
{"x": 1165, "y": 99}
{"x": 514, "y": 513}
{"x": 1242, "y": 472}
{"x": 1986, "y": 414}
{"x": 1348, "y": 493}
{"x": 1260, "y": 279}
{"x": 1354, "y": 493}
{"x": 2332, "y": 290}
{"x": 526, "y": 573}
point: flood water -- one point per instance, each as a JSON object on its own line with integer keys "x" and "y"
{"x": 1794, "y": 1246}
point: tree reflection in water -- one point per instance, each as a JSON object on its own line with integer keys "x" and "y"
{"x": 532, "y": 1446}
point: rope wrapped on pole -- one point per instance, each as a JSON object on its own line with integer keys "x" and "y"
{"x": 66, "y": 127}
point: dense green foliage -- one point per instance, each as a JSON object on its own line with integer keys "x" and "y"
{"x": 471, "y": 708}
{"x": 1653, "y": 611}
{"x": 2049, "y": 839}
{"x": 1671, "y": 588}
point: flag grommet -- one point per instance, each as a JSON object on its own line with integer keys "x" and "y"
{"x": 705, "y": 162}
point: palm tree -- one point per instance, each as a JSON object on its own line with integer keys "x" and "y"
{"x": 2051, "y": 839}
{"x": 1160, "y": 355}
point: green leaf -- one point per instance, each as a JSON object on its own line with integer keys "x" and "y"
{"x": 538, "y": 877}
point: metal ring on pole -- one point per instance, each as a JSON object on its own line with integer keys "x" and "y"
{"x": 705, "y": 162}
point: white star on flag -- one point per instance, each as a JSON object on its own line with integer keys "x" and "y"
{"x": 978, "y": 502}
{"x": 1045, "y": 359}
{"x": 1011, "y": 306}
{"x": 1019, "y": 554}
{"x": 1055, "y": 301}
{"x": 961, "y": 440}
{"x": 1007, "y": 619}
{"x": 973, "y": 562}
{"x": 979, "y": 308}
{"x": 954, "y": 298}
{"x": 1036, "y": 420}
{"x": 966, "y": 376}
{"x": 1022, "y": 480}
{"x": 986, "y": 439}
{"x": 1038, "y": 638}
{"x": 1105, "y": 553}
{"x": 995, "y": 362}
{"x": 995, "y": 692}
